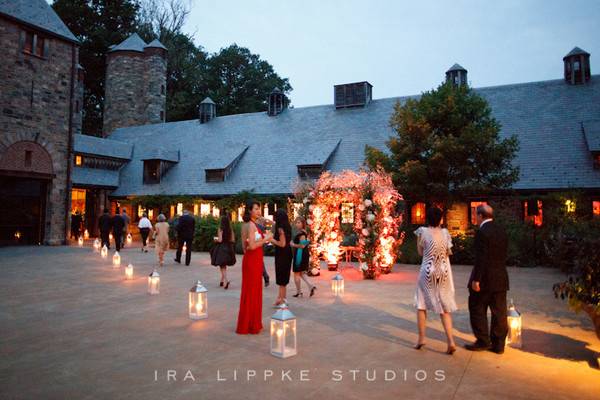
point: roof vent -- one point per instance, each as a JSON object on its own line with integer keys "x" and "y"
{"x": 277, "y": 102}
{"x": 577, "y": 66}
{"x": 357, "y": 94}
{"x": 207, "y": 110}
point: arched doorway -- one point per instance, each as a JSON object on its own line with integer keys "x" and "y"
{"x": 25, "y": 174}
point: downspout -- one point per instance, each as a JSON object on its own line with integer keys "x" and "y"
{"x": 70, "y": 145}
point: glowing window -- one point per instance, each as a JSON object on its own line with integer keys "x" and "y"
{"x": 179, "y": 208}
{"x": 195, "y": 209}
{"x": 596, "y": 208}
{"x": 473, "y": 206}
{"x": 78, "y": 160}
{"x": 216, "y": 212}
{"x": 347, "y": 213}
{"x": 417, "y": 214}
{"x": 204, "y": 209}
{"x": 532, "y": 212}
{"x": 570, "y": 206}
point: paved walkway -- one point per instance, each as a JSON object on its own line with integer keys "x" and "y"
{"x": 72, "y": 328}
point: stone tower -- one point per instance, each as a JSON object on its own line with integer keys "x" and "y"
{"x": 135, "y": 88}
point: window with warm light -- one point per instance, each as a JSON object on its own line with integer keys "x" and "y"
{"x": 596, "y": 208}
{"x": 196, "y": 209}
{"x": 179, "y": 208}
{"x": 78, "y": 200}
{"x": 570, "y": 206}
{"x": 417, "y": 214}
{"x": 204, "y": 209}
{"x": 78, "y": 160}
{"x": 532, "y": 212}
{"x": 347, "y": 213}
{"x": 216, "y": 212}
{"x": 473, "y": 210}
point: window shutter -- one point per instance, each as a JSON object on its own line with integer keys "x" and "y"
{"x": 46, "y": 48}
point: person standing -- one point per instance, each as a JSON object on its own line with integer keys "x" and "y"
{"x": 224, "y": 251}
{"x": 250, "y": 313}
{"x": 126, "y": 221}
{"x": 488, "y": 284}
{"x": 161, "y": 238}
{"x": 76, "y": 224}
{"x": 117, "y": 227}
{"x": 435, "y": 286}
{"x": 105, "y": 225}
{"x": 301, "y": 258}
{"x": 283, "y": 253}
{"x": 185, "y": 235}
{"x": 260, "y": 222}
{"x": 145, "y": 226}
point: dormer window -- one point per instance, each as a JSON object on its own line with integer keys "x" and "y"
{"x": 357, "y": 94}
{"x": 221, "y": 168}
{"x": 151, "y": 171}
{"x": 310, "y": 171}
{"x": 215, "y": 175}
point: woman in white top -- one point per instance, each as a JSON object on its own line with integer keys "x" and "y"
{"x": 435, "y": 287}
{"x": 145, "y": 227}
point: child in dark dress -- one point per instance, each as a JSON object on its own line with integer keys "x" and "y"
{"x": 301, "y": 258}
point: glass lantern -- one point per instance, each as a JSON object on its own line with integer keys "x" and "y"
{"x": 110, "y": 237}
{"x": 129, "y": 238}
{"x": 154, "y": 283}
{"x": 515, "y": 322}
{"x": 116, "y": 260}
{"x": 96, "y": 245}
{"x": 129, "y": 272}
{"x": 283, "y": 333}
{"x": 184, "y": 248}
{"x": 337, "y": 285}
{"x": 80, "y": 241}
{"x": 198, "y": 302}
{"x": 86, "y": 234}
{"x": 104, "y": 252}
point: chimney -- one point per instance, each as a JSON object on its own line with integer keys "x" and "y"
{"x": 348, "y": 95}
{"x": 207, "y": 110}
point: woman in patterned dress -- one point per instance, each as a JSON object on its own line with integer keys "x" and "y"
{"x": 435, "y": 287}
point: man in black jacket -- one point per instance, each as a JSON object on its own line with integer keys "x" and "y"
{"x": 488, "y": 284}
{"x": 185, "y": 234}
{"x": 118, "y": 223}
{"x": 105, "y": 224}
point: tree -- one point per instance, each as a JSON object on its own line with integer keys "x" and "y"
{"x": 98, "y": 24}
{"x": 240, "y": 82}
{"x": 447, "y": 146}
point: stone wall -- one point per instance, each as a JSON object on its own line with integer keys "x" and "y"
{"x": 35, "y": 99}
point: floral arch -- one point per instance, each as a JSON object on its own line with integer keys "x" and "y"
{"x": 367, "y": 201}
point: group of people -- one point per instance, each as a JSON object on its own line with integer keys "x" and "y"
{"x": 118, "y": 224}
{"x": 487, "y": 285}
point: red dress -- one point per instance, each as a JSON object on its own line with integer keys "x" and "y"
{"x": 250, "y": 316}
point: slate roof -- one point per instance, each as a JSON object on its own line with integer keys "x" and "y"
{"x": 156, "y": 43}
{"x": 546, "y": 116}
{"x": 86, "y": 144}
{"x": 456, "y": 67}
{"x": 591, "y": 129}
{"x": 95, "y": 177}
{"x": 37, "y": 13}
{"x": 576, "y": 52}
{"x": 153, "y": 153}
{"x": 132, "y": 43}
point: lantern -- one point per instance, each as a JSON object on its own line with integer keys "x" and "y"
{"x": 129, "y": 238}
{"x": 514, "y": 339}
{"x": 337, "y": 285}
{"x": 86, "y": 234}
{"x": 96, "y": 245}
{"x": 110, "y": 236}
{"x": 116, "y": 260}
{"x": 283, "y": 333}
{"x": 154, "y": 283}
{"x": 198, "y": 304}
{"x": 184, "y": 248}
{"x": 80, "y": 241}
{"x": 129, "y": 272}
{"x": 104, "y": 251}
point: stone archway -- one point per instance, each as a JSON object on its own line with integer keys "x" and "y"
{"x": 27, "y": 158}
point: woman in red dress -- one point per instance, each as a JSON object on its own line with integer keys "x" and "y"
{"x": 253, "y": 239}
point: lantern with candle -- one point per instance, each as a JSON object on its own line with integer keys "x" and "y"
{"x": 515, "y": 323}
{"x": 129, "y": 272}
{"x": 86, "y": 234}
{"x": 129, "y": 238}
{"x": 110, "y": 236}
{"x": 80, "y": 241}
{"x": 337, "y": 285}
{"x": 154, "y": 283}
{"x": 104, "y": 252}
{"x": 198, "y": 302}
{"x": 184, "y": 248}
{"x": 283, "y": 333}
{"x": 116, "y": 260}
{"x": 96, "y": 245}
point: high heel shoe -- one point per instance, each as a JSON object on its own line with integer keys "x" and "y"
{"x": 451, "y": 350}
{"x": 226, "y": 285}
{"x": 419, "y": 346}
{"x": 299, "y": 294}
{"x": 221, "y": 284}
{"x": 312, "y": 291}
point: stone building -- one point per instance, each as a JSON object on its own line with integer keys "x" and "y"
{"x": 41, "y": 91}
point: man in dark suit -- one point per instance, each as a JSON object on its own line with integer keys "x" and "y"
{"x": 118, "y": 224}
{"x": 185, "y": 234}
{"x": 488, "y": 284}
{"x": 105, "y": 224}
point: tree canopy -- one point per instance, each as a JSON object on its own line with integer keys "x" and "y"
{"x": 447, "y": 145}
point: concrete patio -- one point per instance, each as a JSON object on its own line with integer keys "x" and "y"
{"x": 72, "y": 328}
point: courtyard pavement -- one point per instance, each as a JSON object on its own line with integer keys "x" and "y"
{"x": 72, "y": 328}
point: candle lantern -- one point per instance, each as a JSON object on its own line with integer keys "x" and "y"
{"x": 129, "y": 272}
{"x": 129, "y": 238}
{"x": 116, "y": 260}
{"x": 198, "y": 303}
{"x": 104, "y": 251}
{"x": 80, "y": 241}
{"x": 86, "y": 234}
{"x": 154, "y": 283}
{"x": 96, "y": 245}
{"x": 337, "y": 285}
{"x": 110, "y": 236}
{"x": 514, "y": 339}
{"x": 184, "y": 248}
{"x": 283, "y": 333}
